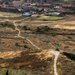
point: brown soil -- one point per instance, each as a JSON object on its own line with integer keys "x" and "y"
{"x": 19, "y": 53}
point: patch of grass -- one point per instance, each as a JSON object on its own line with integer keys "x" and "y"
{"x": 48, "y": 18}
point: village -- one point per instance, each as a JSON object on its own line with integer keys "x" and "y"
{"x": 38, "y": 7}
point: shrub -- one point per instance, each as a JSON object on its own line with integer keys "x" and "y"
{"x": 38, "y": 29}
{"x": 25, "y": 27}
{"x": 7, "y": 24}
{"x": 43, "y": 29}
{"x": 25, "y": 46}
{"x": 16, "y": 44}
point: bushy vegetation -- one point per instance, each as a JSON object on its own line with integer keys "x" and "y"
{"x": 26, "y": 28}
{"x": 41, "y": 30}
{"x": 45, "y": 30}
{"x": 52, "y": 31}
{"x": 7, "y": 24}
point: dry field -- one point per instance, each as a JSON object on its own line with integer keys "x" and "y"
{"x": 22, "y": 57}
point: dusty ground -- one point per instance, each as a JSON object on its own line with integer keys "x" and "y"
{"x": 19, "y": 54}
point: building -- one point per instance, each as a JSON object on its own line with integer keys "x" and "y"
{"x": 38, "y": 1}
{"x": 17, "y": 3}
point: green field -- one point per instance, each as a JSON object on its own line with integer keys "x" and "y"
{"x": 48, "y": 18}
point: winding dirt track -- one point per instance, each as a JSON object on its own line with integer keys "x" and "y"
{"x": 63, "y": 25}
{"x": 19, "y": 35}
{"x": 56, "y": 53}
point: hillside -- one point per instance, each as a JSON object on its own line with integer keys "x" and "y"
{"x": 31, "y": 47}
